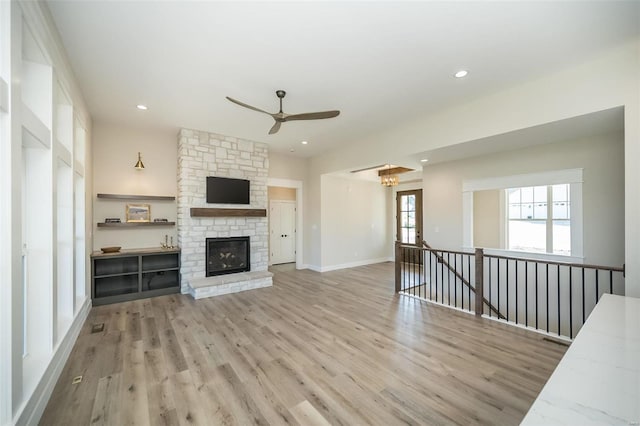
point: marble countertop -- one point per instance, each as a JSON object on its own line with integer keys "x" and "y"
{"x": 597, "y": 382}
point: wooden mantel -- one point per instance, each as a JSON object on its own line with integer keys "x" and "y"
{"x": 212, "y": 212}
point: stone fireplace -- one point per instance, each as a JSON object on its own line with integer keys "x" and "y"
{"x": 202, "y": 154}
{"x": 227, "y": 255}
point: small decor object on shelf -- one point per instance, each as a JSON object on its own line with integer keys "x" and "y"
{"x": 160, "y": 220}
{"x": 112, "y": 220}
{"x": 138, "y": 212}
{"x": 110, "y": 249}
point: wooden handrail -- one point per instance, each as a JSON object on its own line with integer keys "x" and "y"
{"x": 559, "y": 263}
{"x": 457, "y": 274}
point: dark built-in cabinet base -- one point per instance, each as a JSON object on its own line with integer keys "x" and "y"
{"x": 134, "y": 274}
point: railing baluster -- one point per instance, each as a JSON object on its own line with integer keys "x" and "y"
{"x": 570, "y": 303}
{"x": 583, "y": 297}
{"x": 526, "y": 294}
{"x": 455, "y": 279}
{"x": 516, "y": 262}
{"x": 442, "y": 277}
{"x": 547, "y": 265}
{"x": 536, "y": 295}
{"x": 610, "y": 281}
{"x": 498, "y": 286}
{"x": 431, "y": 275}
{"x": 490, "y": 285}
{"x": 597, "y": 287}
{"x": 558, "y": 284}
{"x": 507, "y": 281}
{"x": 479, "y": 308}
{"x": 413, "y": 265}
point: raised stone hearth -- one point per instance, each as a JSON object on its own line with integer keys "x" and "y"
{"x": 202, "y": 154}
{"x": 225, "y": 284}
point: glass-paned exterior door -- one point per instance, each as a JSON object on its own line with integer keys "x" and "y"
{"x": 409, "y": 217}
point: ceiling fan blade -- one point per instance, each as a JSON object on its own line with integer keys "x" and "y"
{"x": 247, "y": 106}
{"x": 275, "y": 127}
{"x": 312, "y": 115}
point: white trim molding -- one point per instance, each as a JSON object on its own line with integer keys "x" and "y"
{"x": 4, "y": 96}
{"x": 31, "y": 411}
{"x": 351, "y": 264}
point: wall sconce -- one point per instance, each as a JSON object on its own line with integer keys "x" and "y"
{"x": 139, "y": 165}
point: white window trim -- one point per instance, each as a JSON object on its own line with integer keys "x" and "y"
{"x": 571, "y": 176}
{"x": 4, "y": 95}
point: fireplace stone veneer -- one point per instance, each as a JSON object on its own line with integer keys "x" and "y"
{"x": 202, "y": 154}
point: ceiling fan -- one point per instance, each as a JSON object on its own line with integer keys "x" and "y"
{"x": 280, "y": 117}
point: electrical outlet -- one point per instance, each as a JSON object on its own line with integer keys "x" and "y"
{"x": 76, "y": 380}
{"x": 97, "y": 328}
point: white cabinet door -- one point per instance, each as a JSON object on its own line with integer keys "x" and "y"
{"x": 282, "y": 217}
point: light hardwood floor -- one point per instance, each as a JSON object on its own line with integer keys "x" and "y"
{"x": 332, "y": 348}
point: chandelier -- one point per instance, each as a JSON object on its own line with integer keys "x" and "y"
{"x": 387, "y": 178}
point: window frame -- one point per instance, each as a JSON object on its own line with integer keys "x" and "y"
{"x": 548, "y": 220}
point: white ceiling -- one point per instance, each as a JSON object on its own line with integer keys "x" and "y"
{"x": 380, "y": 63}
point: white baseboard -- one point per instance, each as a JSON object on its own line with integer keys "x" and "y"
{"x": 354, "y": 264}
{"x": 32, "y": 410}
{"x": 311, "y": 267}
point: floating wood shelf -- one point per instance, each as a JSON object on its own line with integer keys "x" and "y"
{"x": 137, "y": 197}
{"x": 212, "y": 212}
{"x": 133, "y": 224}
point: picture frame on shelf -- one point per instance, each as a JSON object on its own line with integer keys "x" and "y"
{"x": 138, "y": 213}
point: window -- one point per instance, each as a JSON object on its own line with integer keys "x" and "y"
{"x": 539, "y": 219}
{"x": 409, "y": 216}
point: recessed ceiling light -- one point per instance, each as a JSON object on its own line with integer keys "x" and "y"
{"x": 461, "y": 73}
{"x": 424, "y": 160}
{"x": 304, "y": 142}
{"x": 142, "y": 107}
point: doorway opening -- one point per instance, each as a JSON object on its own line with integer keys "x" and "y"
{"x": 282, "y": 225}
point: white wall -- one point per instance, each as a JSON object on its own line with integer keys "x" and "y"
{"x": 288, "y": 167}
{"x": 486, "y": 219}
{"x": 115, "y": 152}
{"x": 601, "y": 157}
{"x": 355, "y": 221}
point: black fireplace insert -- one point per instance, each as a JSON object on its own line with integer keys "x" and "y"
{"x": 227, "y": 255}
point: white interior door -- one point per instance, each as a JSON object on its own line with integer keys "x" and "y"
{"x": 282, "y": 218}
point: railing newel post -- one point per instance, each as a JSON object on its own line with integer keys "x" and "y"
{"x": 479, "y": 255}
{"x": 398, "y": 260}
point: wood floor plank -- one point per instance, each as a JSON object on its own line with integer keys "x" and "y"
{"x": 134, "y": 399}
{"x": 332, "y": 348}
{"x": 307, "y": 415}
{"x": 105, "y": 407}
{"x": 188, "y": 404}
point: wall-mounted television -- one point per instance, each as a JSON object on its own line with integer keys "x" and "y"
{"x": 227, "y": 191}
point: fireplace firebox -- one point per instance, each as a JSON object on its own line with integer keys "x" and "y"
{"x": 227, "y": 255}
